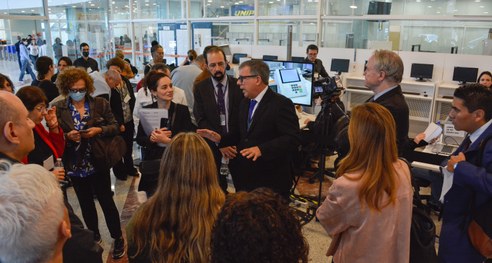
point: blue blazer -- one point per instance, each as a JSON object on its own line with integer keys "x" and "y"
{"x": 472, "y": 187}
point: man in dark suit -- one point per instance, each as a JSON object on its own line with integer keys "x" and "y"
{"x": 267, "y": 134}
{"x": 216, "y": 104}
{"x": 472, "y": 183}
{"x": 383, "y": 74}
{"x": 122, "y": 100}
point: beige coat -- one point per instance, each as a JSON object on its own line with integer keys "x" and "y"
{"x": 363, "y": 235}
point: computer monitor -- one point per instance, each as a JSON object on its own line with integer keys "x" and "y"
{"x": 226, "y": 49}
{"x": 339, "y": 65}
{"x": 292, "y": 79}
{"x": 297, "y": 59}
{"x": 237, "y": 56}
{"x": 270, "y": 57}
{"x": 421, "y": 71}
{"x": 464, "y": 75}
{"x": 379, "y": 8}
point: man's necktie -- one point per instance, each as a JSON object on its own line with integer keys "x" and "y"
{"x": 466, "y": 143}
{"x": 252, "y": 104}
{"x": 221, "y": 105}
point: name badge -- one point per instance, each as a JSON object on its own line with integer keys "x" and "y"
{"x": 222, "y": 120}
{"x": 127, "y": 98}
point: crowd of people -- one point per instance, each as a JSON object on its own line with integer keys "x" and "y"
{"x": 190, "y": 216}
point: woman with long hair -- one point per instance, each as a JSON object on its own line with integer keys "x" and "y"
{"x": 485, "y": 78}
{"x": 153, "y": 142}
{"x": 46, "y": 70}
{"x": 368, "y": 209}
{"x": 63, "y": 63}
{"x": 175, "y": 224}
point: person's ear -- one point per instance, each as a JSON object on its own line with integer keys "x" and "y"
{"x": 479, "y": 115}
{"x": 65, "y": 227}
{"x": 9, "y": 133}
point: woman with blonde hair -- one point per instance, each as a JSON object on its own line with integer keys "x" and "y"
{"x": 175, "y": 224}
{"x": 368, "y": 209}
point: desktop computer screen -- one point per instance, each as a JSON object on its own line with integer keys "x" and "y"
{"x": 421, "y": 71}
{"x": 339, "y": 65}
{"x": 292, "y": 79}
{"x": 464, "y": 75}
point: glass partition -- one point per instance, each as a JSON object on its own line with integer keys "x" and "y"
{"x": 22, "y": 8}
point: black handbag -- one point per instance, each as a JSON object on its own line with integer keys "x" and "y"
{"x": 108, "y": 151}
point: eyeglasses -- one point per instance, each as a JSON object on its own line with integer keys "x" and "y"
{"x": 213, "y": 65}
{"x": 78, "y": 90}
{"x": 242, "y": 78}
{"x": 40, "y": 108}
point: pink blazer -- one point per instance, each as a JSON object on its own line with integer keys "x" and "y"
{"x": 363, "y": 235}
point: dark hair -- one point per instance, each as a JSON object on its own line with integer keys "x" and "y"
{"x": 154, "y": 43}
{"x": 484, "y": 73}
{"x": 257, "y": 67}
{"x": 152, "y": 78}
{"x": 257, "y": 225}
{"x": 4, "y": 79}
{"x": 31, "y": 96}
{"x": 154, "y": 48}
{"x": 160, "y": 66}
{"x": 475, "y": 97}
{"x": 192, "y": 54}
{"x": 83, "y": 45}
{"x": 120, "y": 63}
{"x": 67, "y": 60}
{"x": 43, "y": 64}
{"x": 214, "y": 49}
{"x": 312, "y": 47}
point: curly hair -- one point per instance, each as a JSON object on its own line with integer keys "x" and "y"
{"x": 175, "y": 224}
{"x": 258, "y": 227}
{"x": 69, "y": 76}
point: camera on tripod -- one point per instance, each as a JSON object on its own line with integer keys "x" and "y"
{"x": 327, "y": 88}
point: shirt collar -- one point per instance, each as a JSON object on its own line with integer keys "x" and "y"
{"x": 260, "y": 95}
{"x": 376, "y": 96}
{"x": 215, "y": 82}
{"x": 474, "y": 135}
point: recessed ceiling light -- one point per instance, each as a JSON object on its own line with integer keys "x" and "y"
{"x": 429, "y": 6}
{"x": 482, "y": 6}
{"x": 485, "y": 12}
{"x": 353, "y": 6}
{"x": 221, "y": 6}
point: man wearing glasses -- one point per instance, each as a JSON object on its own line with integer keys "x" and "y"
{"x": 216, "y": 105}
{"x": 267, "y": 135}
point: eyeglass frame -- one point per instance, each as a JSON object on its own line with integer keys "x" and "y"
{"x": 242, "y": 78}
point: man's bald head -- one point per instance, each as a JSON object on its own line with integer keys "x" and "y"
{"x": 16, "y": 139}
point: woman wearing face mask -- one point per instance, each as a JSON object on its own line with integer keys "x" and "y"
{"x": 179, "y": 120}
{"x": 82, "y": 118}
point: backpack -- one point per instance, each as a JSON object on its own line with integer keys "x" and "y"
{"x": 480, "y": 228}
{"x": 422, "y": 230}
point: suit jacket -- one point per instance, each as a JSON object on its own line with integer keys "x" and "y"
{"x": 275, "y": 130}
{"x": 472, "y": 187}
{"x": 394, "y": 101}
{"x": 117, "y": 103}
{"x": 205, "y": 107}
{"x": 181, "y": 123}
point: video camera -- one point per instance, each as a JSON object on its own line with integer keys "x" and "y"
{"x": 328, "y": 87}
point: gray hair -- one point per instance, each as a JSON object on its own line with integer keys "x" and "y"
{"x": 32, "y": 208}
{"x": 257, "y": 67}
{"x": 389, "y": 62}
{"x": 112, "y": 74}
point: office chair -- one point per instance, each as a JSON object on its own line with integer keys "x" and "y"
{"x": 237, "y": 56}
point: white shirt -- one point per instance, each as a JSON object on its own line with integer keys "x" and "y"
{"x": 376, "y": 96}
{"x": 142, "y": 100}
{"x": 258, "y": 100}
